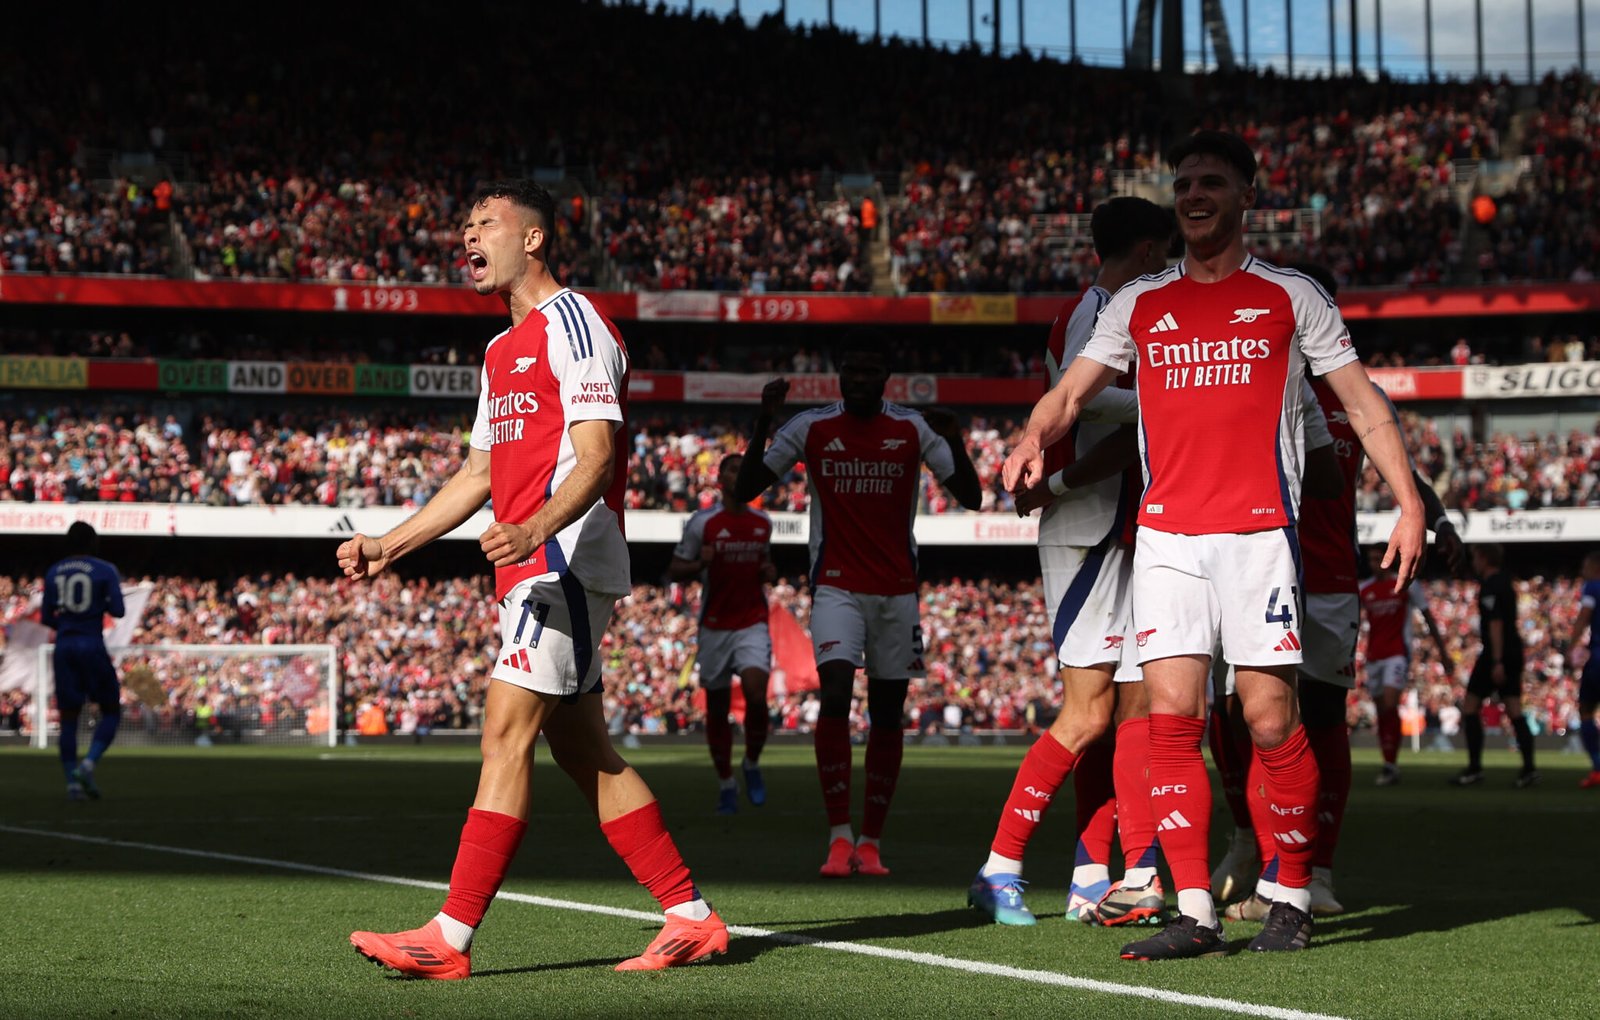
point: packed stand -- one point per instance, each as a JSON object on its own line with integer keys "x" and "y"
{"x": 1543, "y": 227}
{"x": 672, "y": 196}
{"x": 753, "y": 234}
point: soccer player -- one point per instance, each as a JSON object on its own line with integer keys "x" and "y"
{"x": 1589, "y": 684}
{"x": 731, "y": 545}
{"x": 547, "y": 447}
{"x": 80, "y": 591}
{"x": 1498, "y": 671}
{"x": 1389, "y": 653}
{"x": 862, "y": 456}
{"x": 1222, "y": 341}
{"x": 1332, "y": 561}
{"x": 1086, "y": 557}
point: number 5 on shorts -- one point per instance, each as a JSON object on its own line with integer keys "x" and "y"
{"x": 539, "y": 611}
{"x": 1284, "y": 615}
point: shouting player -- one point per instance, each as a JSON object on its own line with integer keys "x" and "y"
{"x": 1221, "y": 342}
{"x": 863, "y": 458}
{"x": 1086, "y": 556}
{"x": 80, "y": 591}
{"x": 730, "y": 545}
{"x": 546, "y": 448}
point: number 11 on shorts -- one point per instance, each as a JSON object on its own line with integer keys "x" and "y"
{"x": 540, "y": 610}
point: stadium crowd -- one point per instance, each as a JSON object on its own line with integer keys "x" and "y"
{"x": 223, "y": 455}
{"x": 654, "y": 194}
{"x": 414, "y": 654}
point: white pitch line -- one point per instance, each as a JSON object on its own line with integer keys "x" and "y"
{"x": 1041, "y": 977}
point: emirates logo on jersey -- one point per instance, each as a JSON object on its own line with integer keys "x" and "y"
{"x": 1196, "y": 363}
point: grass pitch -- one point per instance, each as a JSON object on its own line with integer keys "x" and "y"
{"x": 174, "y": 902}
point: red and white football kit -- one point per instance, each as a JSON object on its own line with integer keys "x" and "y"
{"x": 562, "y": 364}
{"x": 1086, "y": 534}
{"x": 864, "y": 475}
{"x": 1222, "y": 439}
{"x": 1328, "y": 544}
{"x": 733, "y": 635}
{"x": 1389, "y": 630}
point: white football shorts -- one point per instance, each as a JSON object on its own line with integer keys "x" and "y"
{"x": 1194, "y": 592}
{"x": 881, "y": 632}
{"x": 1332, "y": 624}
{"x": 722, "y": 653}
{"x": 1088, "y": 591}
{"x": 550, "y": 632}
{"x": 1393, "y": 672}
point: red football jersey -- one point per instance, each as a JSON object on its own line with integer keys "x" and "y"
{"x": 1221, "y": 420}
{"x": 564, "y": 363}
{"x": 864, "y": 474}
{"x": 733, "y": 596}
{"x": 1328, "y": 526}
{"x": 1389, "y": 616}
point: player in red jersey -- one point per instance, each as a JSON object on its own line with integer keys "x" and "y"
{"x": 1221, "y": 342}
{"x": 731, "y": 545}
{"x": 863, "y": 458}
{"x": 1327, "y": 531}
{"x": 545, "y": 447}
{"x": 1086, "y": 555}
{"x": 1389, "y": 653}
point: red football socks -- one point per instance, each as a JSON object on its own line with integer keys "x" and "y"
{"x": 885, "y": 746}
{"x": 641, "y": 839}
{"x": 1389, "y": 734}
{"x": 1135, "y": 821}
{"x": 757, "y": 721}
{"x": 489, "y": 841}
{"x": 1291, "y": 787}
{"x": 1330, "y": 746}
{"x": 1180, "y": 798}
{"x": 719, "y": 737}
{"x": 832, "y": 741}
{"x": 1095, "y": 796}
{"x": 1232, "y": 759}
{"x": 1044, "y": 768}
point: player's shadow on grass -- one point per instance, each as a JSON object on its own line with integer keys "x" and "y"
{"x": 545, "y": 968}
{"x": 855, "y": 929}
{"x": 1385, "y": 923}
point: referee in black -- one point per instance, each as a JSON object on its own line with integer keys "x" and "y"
{"x": 1498, "y": 671}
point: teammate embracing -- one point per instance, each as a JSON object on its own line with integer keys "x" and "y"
{"x": 1086, "y": 557}
{"x": 863, "y": 458}
{"x": 1221, "y": 342}
{"x": 731, "y": 545}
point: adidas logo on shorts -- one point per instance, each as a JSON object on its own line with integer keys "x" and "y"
{"x": 1290, "y": 643}
{"x": 518, "y": 660}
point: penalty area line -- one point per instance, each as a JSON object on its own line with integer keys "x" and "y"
{"x": 1039, "y": 977}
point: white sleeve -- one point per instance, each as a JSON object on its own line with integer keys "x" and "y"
{"x": 1587, "y": 601}
{"x": 588, "y": 361}
{"x": 788, "y": 446}
{"x": 482, "y": 435}
{"x": 1113, "y": 405}
{"x": 1319, "y": 328}
{"x": 694, "y": 530}
{"x": 1111, "y": 343}
{"x": 1316, "y": 423}
{"x": 1416, "y": 596}
{"x": 936, "y": 451}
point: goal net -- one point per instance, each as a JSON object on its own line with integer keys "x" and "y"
{"x": 210, "y": 694}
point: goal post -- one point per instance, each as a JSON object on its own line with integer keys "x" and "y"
{"x": 212, "y": 693}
